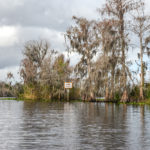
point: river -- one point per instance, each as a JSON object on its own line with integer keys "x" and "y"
{"x": 73, "y": 126}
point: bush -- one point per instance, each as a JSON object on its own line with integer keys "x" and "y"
{"x": 134, "y": 94}
{"x": 147, "y": 92}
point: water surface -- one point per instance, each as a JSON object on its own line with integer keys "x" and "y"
{"x": 73, "y": 126}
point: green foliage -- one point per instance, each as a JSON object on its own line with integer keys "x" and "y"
{"x": 75, "y": 94}
{"x": 147, "y": 92}
{"x": 134, "y": 94}
{"x": 117, "y": 96}
{"x": 43, "y": 72}
{"x": 18, "y": 90}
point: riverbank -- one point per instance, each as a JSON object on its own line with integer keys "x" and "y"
{"x": 144, "y": 102}
{"x": 8, "y": 98}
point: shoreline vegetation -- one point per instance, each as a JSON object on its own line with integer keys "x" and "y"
{"x": 144, "y": 102}
{"x": 105, "y": 67}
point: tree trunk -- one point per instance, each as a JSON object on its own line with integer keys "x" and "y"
{"x": 112, "y": 82}
{"x": 141, "y": 93}
{"x": 125, "y": 94}
{"x": 59, "y": 94}
{"x": 106, "y": 94}
{"x": 91, "y": 93}
{"x": 111, "y": 97}
{"x": 142, "y": 69}
{"x": 92, "y": 97}
{"x": 125, "y": 98}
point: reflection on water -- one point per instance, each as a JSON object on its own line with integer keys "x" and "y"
{"x": 73, "y": 126}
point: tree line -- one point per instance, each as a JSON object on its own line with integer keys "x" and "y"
{"x": 104, "y": 69}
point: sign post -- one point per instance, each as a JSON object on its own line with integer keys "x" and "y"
{"x": 68, "y": 86}
{"x": 68, "y": 94}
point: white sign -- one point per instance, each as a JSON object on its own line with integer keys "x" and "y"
{"x": 68, "y": 85}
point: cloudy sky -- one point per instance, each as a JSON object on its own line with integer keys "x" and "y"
{"x": 23, "y": 20}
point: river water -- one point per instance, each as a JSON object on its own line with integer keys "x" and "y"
{"x": 73, "y": 126}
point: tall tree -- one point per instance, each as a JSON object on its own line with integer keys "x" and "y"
{"x": 48, "y": 76}
{"x": 118, "y": 10}
{"x": 55, "y": 71}
{"x": 34, "y": 54}
{"x": 141, "y": 27}
{"x": 63, "y": 71}
{"x": 110, "y": 53}
{"x": 83, "y": 39}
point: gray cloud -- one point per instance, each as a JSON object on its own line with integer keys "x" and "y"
{"x": 38, "y": 19}
{"x": 32, "y": 19}
{"x": 10, "y": 56}
{"x": 47, "y": 13}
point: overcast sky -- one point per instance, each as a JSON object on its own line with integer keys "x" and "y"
{"x": 23, "y": 20}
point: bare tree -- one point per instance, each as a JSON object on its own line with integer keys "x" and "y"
{"x": 83, "y": 39}
{"x": 141, "y": 27}
{"x": 10, "y": 76}
{"x": 118, "y": 10}
{"x": 34, "y": 54}
{"x": 110, "y": 54}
